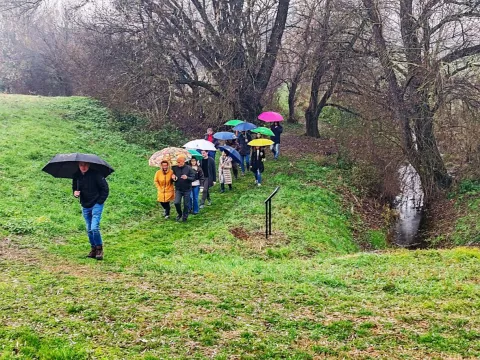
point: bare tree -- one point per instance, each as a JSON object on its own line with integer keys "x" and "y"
{"x": 235, "y": 42}
{"x": 417, "y": 57}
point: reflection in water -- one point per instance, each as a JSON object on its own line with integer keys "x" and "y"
{"x": 409, "y": 205}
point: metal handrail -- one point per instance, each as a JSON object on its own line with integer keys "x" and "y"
{"x": 268, "y": 213}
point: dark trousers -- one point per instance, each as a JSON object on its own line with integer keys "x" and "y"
{"x": 206, "y": 192}
{"x": 222, "y": 187}
{"x": 235, "y": 169}
{"x": 185, "y": 194}
{"x": 166, "y": 207}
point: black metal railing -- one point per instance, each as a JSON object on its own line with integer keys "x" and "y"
{"x": 268, "y": 213}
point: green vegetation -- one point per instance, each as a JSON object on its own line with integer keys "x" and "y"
{"x": 467, "y": 205}
{"x": 212, "y": 287}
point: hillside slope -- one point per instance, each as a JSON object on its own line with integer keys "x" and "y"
{"x": 212, "y": 287}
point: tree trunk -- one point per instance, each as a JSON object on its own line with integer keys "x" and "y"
{"x": 311, "y": 123}
{"x": 292, "y": 92}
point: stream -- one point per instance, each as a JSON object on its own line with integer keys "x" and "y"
{"x": 409, "y": 205}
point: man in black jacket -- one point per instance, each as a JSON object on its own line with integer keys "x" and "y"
{"x": 243, "y": 139}
{"x": 277, "y": 130}
{"x": 92, "y": 188}
{"x": 183, "y": 176}
{"x": 210, "y": 175}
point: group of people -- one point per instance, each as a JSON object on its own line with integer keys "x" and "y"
{"x": 181, "y": 183}
{"x": 184, "y": 182}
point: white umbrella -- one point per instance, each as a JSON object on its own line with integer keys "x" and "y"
{"x": 200, "y": 144}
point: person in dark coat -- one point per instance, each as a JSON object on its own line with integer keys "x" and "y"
{"x": 92, "y": 189}
{"x": 257, "y": 158}
{"x": 244, "y": 149}
{"x": 210, "y": 175}
{"x": 183, "y": 176}
{"x": 209, "y": 137}
{"x": 277, "y": 129}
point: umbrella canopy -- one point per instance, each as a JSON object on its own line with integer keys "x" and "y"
{"x": 270, "y": 116}
{"x": 264, "y": 131}
{"x": 195, "y": 154}
{"x": 66, "y": 165}
{"x": 234, "y": 154}
{"x": 261, "y": 142}
{"x": 233, "y": 122}
{"x": 169, "y": 154}
{"x": 224, "y": 135}
{"x": 200, "y": 144}
{"x": 244, "y": 126}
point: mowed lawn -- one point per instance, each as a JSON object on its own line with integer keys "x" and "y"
{"x": 212, "y": 287}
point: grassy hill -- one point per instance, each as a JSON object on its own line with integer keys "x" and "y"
{"x": 212, "y": 287}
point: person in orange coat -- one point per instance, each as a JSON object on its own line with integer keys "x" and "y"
{"x": 165, "y": 189}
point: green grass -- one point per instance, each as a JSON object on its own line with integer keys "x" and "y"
{"x": 212, "y": 287}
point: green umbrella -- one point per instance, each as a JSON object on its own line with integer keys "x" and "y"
{"x": 263, "y": 131}
{"x": 234, "y": 122}
{"x": 195, "y": 154}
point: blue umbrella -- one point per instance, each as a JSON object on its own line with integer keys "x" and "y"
{"x": 244, "y": 126}
{"x": 224, "y": 135}
{"x": 234, "y": 154}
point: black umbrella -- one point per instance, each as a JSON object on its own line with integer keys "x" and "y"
{"x": 66, "y": 165}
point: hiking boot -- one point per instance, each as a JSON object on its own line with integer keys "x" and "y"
{"x": 92, "y": 254}
{"x": 99, "y": 255}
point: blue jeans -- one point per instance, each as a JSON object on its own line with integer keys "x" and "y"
{"x": 92, "y": 218}
{"x": 245, "y": 158}
{"x": 276, "y": 150}
{"x": 258, "y": 176}
{"x": 194, "y": 199}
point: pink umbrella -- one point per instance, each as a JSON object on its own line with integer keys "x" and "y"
{"x": 270, "y": 116}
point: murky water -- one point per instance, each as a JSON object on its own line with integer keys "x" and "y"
{"x": 409, "y": 204}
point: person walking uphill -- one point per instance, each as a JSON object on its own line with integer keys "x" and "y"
{"x": 164, "y": 184}
{"x": 277, "y": 129}
{"x": 209, "y": 173}
{"x": 92, "y": 189}
{"x": 183, "y": 176}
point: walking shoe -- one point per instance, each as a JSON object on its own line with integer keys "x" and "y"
{"x": 256, "y": 182}
{"x": 167, "y": 216}
{"x": 202, "y": 206}
{"x": 93, "y": 253}
{"x": 178, "y": 218}
{"x": 259, "y": 184}
{"x": 99, "y": 254}
{"x": 243, "y": 174}
{"x": 209, "y": 202}
{"x": 222, "y": 191}
{"x": 184, "y": 219}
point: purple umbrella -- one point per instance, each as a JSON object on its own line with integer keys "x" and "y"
{"x": 270, "y": 116}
